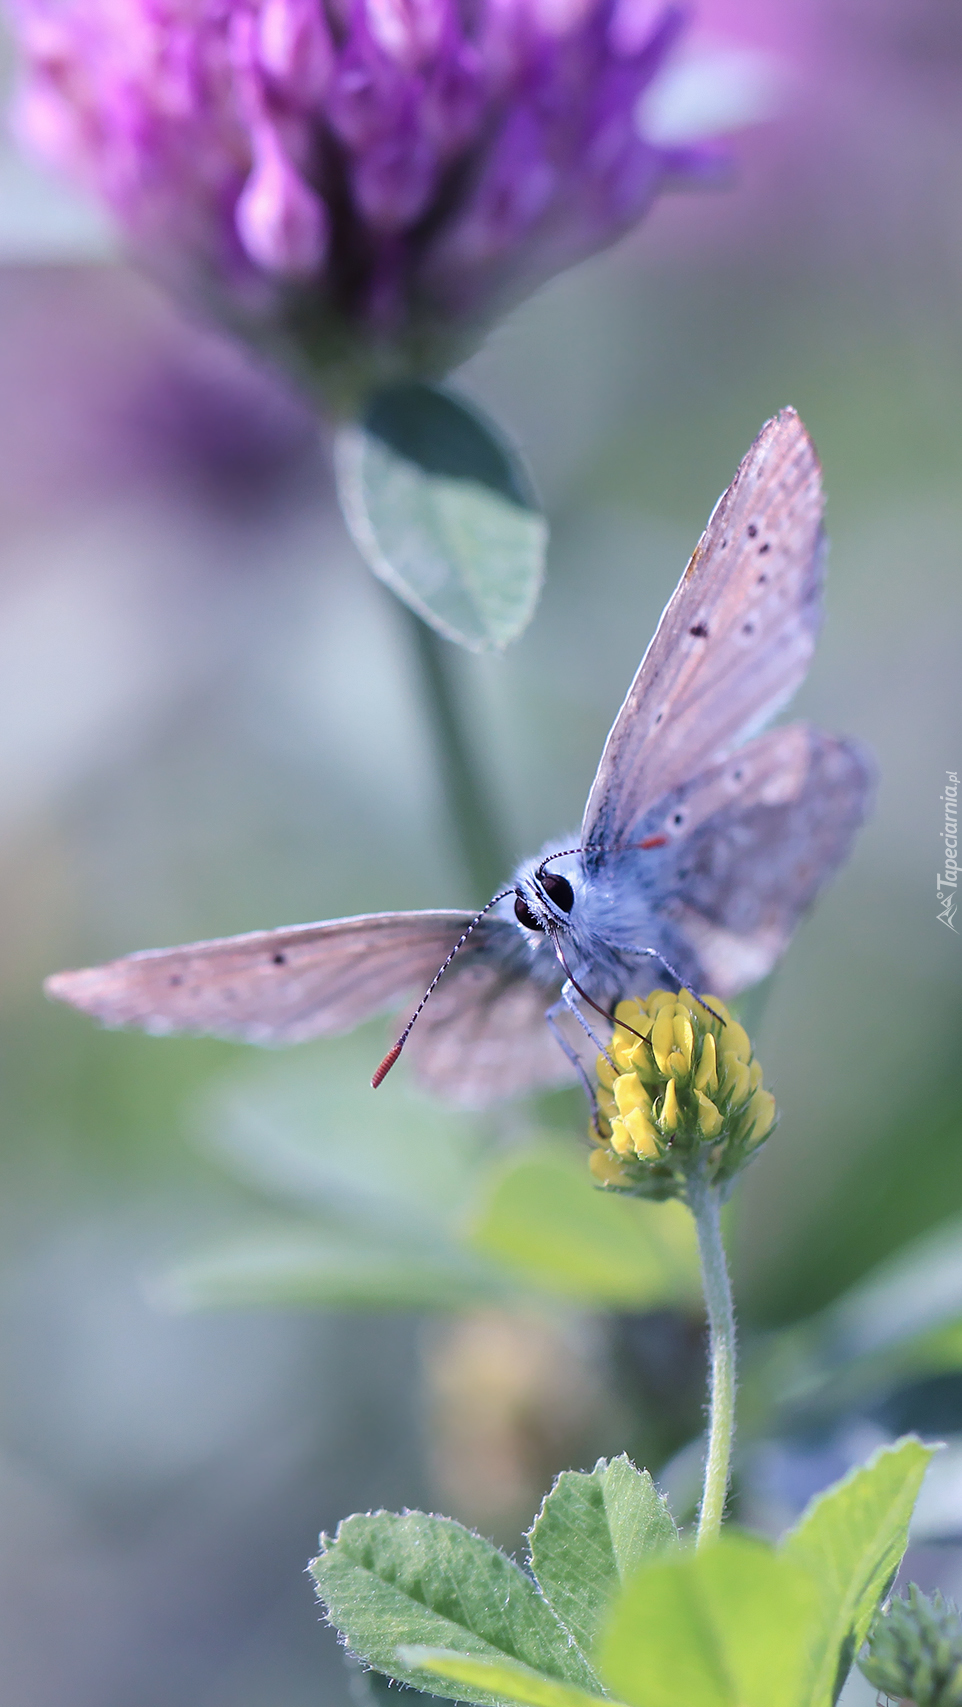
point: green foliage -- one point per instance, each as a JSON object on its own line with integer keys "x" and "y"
{"x": 443, "y": 511}
{"x": 545, "y": 1222}
{"x": 737, "y": 1623}
{"x": 334, "y": 1270}
{"x": 429, "y": 1587}
{"x": 415, "y": 1581}
{"x": 592, "y": 1532}
{"x": 915, "y": 1651}
{"x": 418, "y": 1212}
{"x": 509, "y": 1680}
{"x": 851, "y": 1539}
{"x": 728, "y": 1626}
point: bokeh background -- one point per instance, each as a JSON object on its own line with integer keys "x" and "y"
{"x": 211, "y": 719}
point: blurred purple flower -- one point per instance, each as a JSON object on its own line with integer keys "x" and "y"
{"x": 377, "y": 175}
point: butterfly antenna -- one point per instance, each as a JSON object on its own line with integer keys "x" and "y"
{"x": 392, "y": 1054}
{"x": 562, "y": 853}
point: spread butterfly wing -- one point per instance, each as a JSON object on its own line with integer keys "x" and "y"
{"x": 733, "y": 643}
{"x": 764, "y": 832}
{"x": 483, "y": 1036}
{"x": 272, "y": 987}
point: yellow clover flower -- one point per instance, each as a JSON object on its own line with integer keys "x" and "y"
{"x": 679, "y": 1090}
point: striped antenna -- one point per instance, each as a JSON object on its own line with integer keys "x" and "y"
{"x": 392, "y": 1054}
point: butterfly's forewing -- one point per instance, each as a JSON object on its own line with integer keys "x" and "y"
{"x": 271, "y": 987}
{"x": 734, "y": 642}
{"x": 766, "y": 830}
{"x": 482, "y": 1036}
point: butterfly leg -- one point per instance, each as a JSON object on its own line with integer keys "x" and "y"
{"x": 656, "y": 954}
{"x": 552, "y": 1021}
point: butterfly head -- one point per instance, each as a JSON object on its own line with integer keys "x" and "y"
{"x": 543, "y": 896}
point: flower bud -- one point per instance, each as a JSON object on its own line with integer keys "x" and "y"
{"x": 915, "y": 1651}
{"x": 686, "y": 1101}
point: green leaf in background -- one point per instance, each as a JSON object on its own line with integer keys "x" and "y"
{"x": 899, "y": 1324}
{"x": 311, "y": 1133}
{"x": 338, "y": 1269}
{"x": 546, "y": 1221}
{"x": 729, "y": 1626}
{"x": 504, "y": 1678}
{"x": 444, "y": 513}
{"x": 594, "y": 1530}
{"x": 851, "y": 1539}
{"x": 414, "y": 1581}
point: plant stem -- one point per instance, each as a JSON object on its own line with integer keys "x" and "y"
{"x": 473, "y": 817}
{"x": 705, "y": 1205}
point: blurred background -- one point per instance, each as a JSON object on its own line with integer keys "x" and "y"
{"x": 212, "y": 721}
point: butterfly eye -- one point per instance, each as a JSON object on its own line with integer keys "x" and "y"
{"x": 558, "y": 890}
{"x": 524, "y": 915}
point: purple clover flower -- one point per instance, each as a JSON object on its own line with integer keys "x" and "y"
{"x": 366, "y": 175}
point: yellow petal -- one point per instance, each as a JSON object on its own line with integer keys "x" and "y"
{"x": 657, "y": 1000}
{"x": 621, "y": 1140}
{"x": 605, "y": 1072}
{"x": 630, "y": 1093}
{"x": 663, "y": 1035}
{"x": 643, "y": 1063}
{"x": 709, "y": 1118}
{"x": 606, "y": 1168}
{"x": 684, "y": 1036}
{"x": 706, "y": 1078}
{"x": 761, "y": 1110}
{"x": 736, "y": 1079}
{"x": 669, "y": 1108}
{"x": 678, "y": 1064}
{"x": 718, "y": 1007}
{"x": 755, "y": 1074}
{"x": 631, "y": 1014}
{"x": 622, "y": 1045}
{"x": 643, "y": 1134}
{"x": 736, "y": 1041}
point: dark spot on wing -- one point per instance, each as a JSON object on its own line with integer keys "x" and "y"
{"x": 762, "y": 580}
{"x": 659, "y": 717}
{"x": 279, "y": 959}
{"x": 737, "y": 775}
{"x": 175, "y": 980}
{"x": 678, "y": 818}
{"x": 748, "y": 628}
{"x": 699, "y": 631}
{"x": 763, "y": 548}
{"x": 752, "y": 530}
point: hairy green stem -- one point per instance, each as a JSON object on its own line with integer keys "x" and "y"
{"x": 705, "y": 1205}
{"x": 474, "y": 818}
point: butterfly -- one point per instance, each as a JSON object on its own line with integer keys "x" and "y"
{"x": 703, "y": 842}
